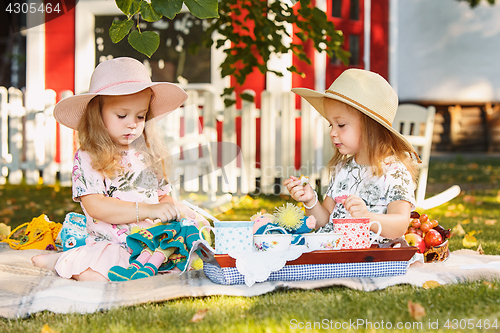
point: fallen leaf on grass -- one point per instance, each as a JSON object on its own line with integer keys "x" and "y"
{"x": 458, "y": 230}
{"x": 490, "y": 285}
{"x": 46, "y": 329}
{"x": 480, "y": 250}
{"x": 430, "y": 284}
{"x": 490, "y": 222}
{"x": 416, "y": 310}
{"x": 469, "y": 198}
{"x": 199, "y": 315}
{"x": 4, "y": 230}
{"x": 450, "y": 213}
{"x": 469, "y": 241}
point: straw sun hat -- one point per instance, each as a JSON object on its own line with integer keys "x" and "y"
{"x": 367, "y": 92}
{"x": 115, "y": 77}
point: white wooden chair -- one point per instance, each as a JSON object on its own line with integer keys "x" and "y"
{"x": 416, "y": 123}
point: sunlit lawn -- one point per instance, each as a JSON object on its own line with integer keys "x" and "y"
{"x": 476, "y": 212}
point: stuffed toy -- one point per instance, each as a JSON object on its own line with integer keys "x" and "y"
{"x": 74, "y": 231}
{"x": 289, "y": 217}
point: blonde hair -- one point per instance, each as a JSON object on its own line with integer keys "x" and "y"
{"x": 380, "y": 143}
{"x": 105, "y": 155}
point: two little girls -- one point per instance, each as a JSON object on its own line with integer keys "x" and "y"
{"x": 372, "y": 170}
{"x": 119, "y": 173}
{"x": 120, "y": 170}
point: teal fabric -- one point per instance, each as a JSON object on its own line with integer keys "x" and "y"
{"x": 146, "y": 271}
{"x": 118, "y": 273}
{"x": 164, "y": 236}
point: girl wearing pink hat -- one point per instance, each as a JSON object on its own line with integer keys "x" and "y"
{"x": 373, "y": 173}
{"x": 120, "y": 170}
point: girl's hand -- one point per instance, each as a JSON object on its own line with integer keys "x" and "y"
{"x": 164, "y": 211}
{"x": 356, "y": 206}
{"x": 298, "y": 192}
{"x": 191, "y": 213}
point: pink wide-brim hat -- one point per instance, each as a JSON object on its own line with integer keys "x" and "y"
{"x": 366, "y": 91}
{"x": 115, "y": 77}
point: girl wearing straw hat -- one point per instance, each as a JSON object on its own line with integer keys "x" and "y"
{"x": 120, "y": 170}
{"x": 372, "y": 170}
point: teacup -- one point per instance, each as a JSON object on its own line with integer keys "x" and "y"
{"x": 232, "y": 236}
{"x": 269, "y": 241}
{"x": 324, "y": 241}
{"x": 272, "y": 242}
{"x": 356, "y": 232}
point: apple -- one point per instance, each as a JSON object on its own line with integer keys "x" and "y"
{"x": 433, "y": 238}
{"x": 416, "y": 240}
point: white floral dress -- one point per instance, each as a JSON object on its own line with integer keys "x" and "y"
{"x": 395, "y": 184}
{"x": 106, "y": 245}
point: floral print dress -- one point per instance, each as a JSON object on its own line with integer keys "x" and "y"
{"x": 106, "y": 245}
{"x": 377, "y": 192}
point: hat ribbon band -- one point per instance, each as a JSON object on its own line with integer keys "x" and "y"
{"x": 360, "y": 105}
{"x": 117, "y": 83}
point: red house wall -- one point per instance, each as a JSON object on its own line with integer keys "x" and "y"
{"x": 60, "y": 55}
{"x": 379, "y": 43}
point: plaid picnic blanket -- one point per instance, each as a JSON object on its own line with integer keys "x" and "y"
{"x": 25, "y": 289}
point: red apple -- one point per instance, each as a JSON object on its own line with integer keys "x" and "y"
{"x": 433, "y": 238}
{"x": 416, "y": 240}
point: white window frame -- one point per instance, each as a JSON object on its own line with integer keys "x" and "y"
{"x": 85, "y": 50}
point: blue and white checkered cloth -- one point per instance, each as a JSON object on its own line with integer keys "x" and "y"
{"x": 230, "y": 275}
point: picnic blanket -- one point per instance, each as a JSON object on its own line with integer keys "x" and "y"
{"x": 25, "y": 289}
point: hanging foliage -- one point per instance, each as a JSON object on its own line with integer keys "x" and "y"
{"x": 249, "y": 32}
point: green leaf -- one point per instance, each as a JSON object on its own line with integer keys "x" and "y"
{"x": 228, "y": 102}
{"x": 120, "y": 29}
{"x": 227, "y": 71}
{"x": 168, "y": 8}
{"x": 135, "y": 7}
{"x": 148, "y": 13}
{"x": 124, "y": 6}
{"x": 247, "y": 97}
{"x": 146, "y": 42}
{"x": 203, "y": 8}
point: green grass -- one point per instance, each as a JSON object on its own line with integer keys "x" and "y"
{"x": 283, "y": 311}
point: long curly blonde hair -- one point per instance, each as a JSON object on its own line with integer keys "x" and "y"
{"x": 106, "y": 158}
{"x": 381, "y": 144}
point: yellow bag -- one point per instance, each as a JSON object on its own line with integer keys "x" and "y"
{"x": 40, "y": 234}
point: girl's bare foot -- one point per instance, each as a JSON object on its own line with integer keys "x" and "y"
{"x": 47, "y": 261}
{"x": 89, "y": 275}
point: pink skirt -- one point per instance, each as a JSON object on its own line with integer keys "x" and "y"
{"x": 98, "y": 256}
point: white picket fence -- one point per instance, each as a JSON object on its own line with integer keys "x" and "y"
{"x": 28, "y": 144}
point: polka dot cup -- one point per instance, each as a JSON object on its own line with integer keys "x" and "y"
{"x": 232, "y": 236}
{"x": 356, "y": 232}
